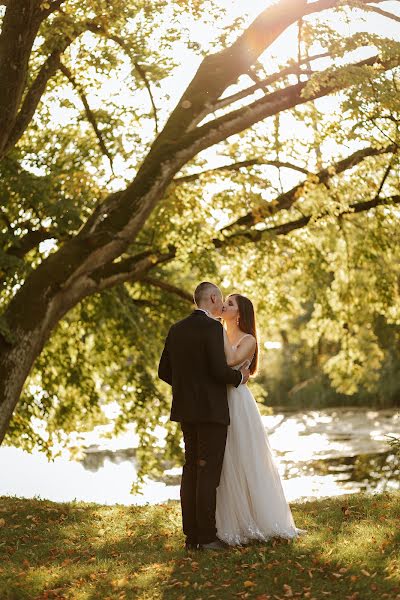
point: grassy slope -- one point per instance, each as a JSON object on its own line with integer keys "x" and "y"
{"x": 86, "y": 551}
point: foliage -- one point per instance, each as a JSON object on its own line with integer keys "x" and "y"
{"x": 394, "y": 443}
{"x": 331, "y": 286}
{"x": 76, "y": 550}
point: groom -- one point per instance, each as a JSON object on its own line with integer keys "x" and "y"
{"x": 193, "y": 362}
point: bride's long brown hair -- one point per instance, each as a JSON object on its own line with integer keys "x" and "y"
{"x": 247, "y": 323}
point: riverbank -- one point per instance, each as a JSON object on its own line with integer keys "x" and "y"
{"x": 77, "y": 551}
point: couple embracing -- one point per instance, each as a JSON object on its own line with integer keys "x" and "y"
{"x": 231, "y": 492}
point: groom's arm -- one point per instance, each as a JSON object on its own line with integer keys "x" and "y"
{"x": 217, "y": 359}
{"x": 164, "y": 368}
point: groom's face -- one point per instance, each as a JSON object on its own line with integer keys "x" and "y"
{"x": 217, "y": 303}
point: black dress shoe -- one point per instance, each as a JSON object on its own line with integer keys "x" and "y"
{"x": 190, "y": 546}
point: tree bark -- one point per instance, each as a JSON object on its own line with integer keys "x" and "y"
{"x": 19, "y": 29}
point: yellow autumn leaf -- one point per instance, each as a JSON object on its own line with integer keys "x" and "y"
{"x": 119, "y": 583}
{"x": 249, "y": 584}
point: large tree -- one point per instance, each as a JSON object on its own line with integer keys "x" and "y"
{"x": 60, "y": 152}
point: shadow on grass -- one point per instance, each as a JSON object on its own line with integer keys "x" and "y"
{"x": 350, "y": 551}
{"x": 90, "y": 552}
{"x": 50, "y": 550}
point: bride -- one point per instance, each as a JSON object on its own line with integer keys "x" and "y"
{"x": 251, "y": 504}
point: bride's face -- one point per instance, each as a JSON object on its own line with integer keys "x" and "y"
{"x": 230, "y": 309}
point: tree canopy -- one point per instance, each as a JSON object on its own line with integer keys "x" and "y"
{"x": 139, "y": 156}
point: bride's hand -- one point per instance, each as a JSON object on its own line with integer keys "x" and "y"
{"x": 246, "y": 374}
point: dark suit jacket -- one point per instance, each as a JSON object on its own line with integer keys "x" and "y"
{"x": 193, "y": 362}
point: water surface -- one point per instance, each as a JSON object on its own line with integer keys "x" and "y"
{"x": 319, "y": 453}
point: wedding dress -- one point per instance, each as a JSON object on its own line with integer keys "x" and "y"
{"x": 251, "y": 503}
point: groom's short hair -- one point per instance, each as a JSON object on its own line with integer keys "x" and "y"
{"x": 203, "y": 290}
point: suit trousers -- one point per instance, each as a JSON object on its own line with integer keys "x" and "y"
{"x": 204, "y": 455}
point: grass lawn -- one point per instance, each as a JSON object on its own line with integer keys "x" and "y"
{"x": 88, "y": 551}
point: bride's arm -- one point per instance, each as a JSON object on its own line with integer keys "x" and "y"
{"x": 238, "y": 355}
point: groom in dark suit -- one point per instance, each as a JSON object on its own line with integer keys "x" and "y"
{"x": 193, "y": 362}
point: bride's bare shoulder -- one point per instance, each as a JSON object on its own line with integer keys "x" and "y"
{"x": 248, "y": 339}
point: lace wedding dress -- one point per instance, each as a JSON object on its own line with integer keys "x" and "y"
{"x": 251, "y": 503}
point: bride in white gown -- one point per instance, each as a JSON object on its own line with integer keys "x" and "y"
{"x": 251, "y": 503}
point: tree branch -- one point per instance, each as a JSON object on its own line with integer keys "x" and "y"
{"x": 236, "y": 121}
{"x": 257, "y": 235}
{"x": 167, "y": 287}
{"x": 130, "y": 269}
{"x": 385, "y": 176}
{"x": 35, "y": 93}
{"x": 117, "y": 226}
{"x": 380, "y": 11}
{"x": 287, "y": 199}
{"x": 30, "y": 240}
{"x": 222, "y": 69}
{"x": 98, "y": 29}
{"x": 89, "y": 113}
{"x": 239, "y": 165}
{"x": 146, "y": 82}
{"x": 54, "y": 6}
{"x": 293, "y": 69}
{"x": 20, "y": 26}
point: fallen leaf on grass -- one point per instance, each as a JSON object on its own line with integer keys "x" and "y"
{"x": 288, "y": 591}
{"x": 2, "y": 522}
{"x": 121, "y": 582}
{"x": 248, "y": 584}
{"x": 365, "y": 572}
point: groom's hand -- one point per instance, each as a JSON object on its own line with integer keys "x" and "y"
{"x": 246, "y": 375}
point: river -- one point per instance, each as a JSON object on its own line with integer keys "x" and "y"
{"x": 319, "y": 453}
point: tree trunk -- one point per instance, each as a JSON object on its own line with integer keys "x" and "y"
{"x": 30, "y": 319}
{"x": 15, "y": 364}
{"x": 19, "y": 29}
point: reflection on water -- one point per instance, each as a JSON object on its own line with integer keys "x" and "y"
{"x": 319, "y": 453}
{"x": 348, "y": 446}
{"x": 94, "y": 458}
